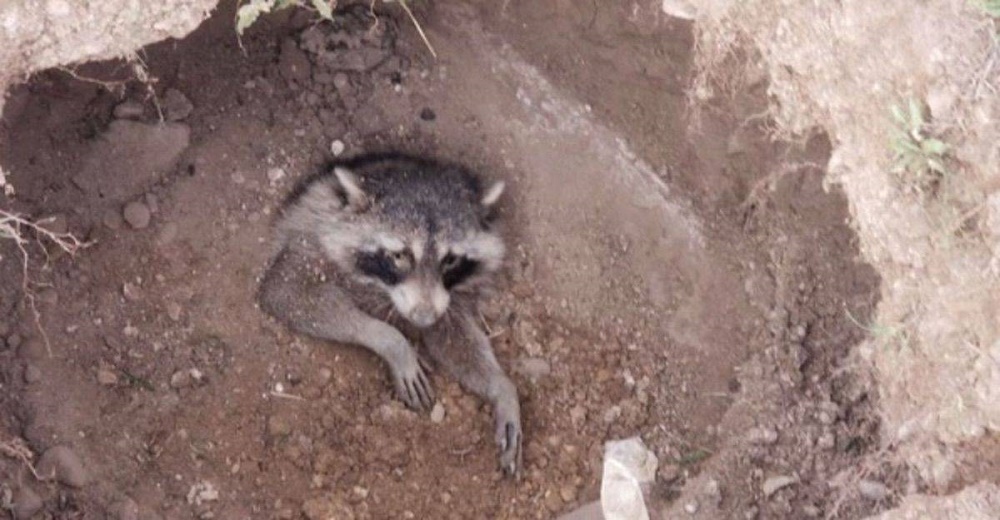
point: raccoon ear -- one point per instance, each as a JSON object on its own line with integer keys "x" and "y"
{"x": 356, "y": 197}
{"x": 493, "y": 194}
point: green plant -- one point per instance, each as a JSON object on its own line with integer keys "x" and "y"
{"x": 992, "y": 7}
{"x": 250, "y": 11}
{"x": 919, "y": 157}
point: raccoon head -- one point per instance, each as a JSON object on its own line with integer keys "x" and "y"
{"x": 432, "y": 240}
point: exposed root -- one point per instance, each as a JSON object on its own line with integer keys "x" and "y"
{"x": 18, "y": 450}
{"x": 16, "y": 227}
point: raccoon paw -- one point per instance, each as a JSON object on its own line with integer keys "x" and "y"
{"x": 508, "y": 437}
{"x": 413, "y": 386}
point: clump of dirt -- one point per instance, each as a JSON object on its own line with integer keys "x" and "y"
{"x": 936, "y": 326}
{"x": 680, "y": 292}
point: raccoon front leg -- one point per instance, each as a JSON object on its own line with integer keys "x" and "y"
{"x": 322, "y": 310}
{"x": 461, "y": 347}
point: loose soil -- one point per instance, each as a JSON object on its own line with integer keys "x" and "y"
{"x": 697, "y": 288}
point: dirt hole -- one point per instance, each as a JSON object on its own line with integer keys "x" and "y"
{"x": 695, "y": 286}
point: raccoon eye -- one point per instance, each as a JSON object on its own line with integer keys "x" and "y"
{"x": 449, "y": 262}
{"x": 400, "y": 260}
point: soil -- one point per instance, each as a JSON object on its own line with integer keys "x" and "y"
{"x": 697, "y": 288}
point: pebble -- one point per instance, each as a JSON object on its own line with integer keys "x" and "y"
{"x": 106, "y": 377}
{"x": 176, "y": 106}
{"x": 137, "y": 214}
{"x": 337, "y": 147}
{"x": 174, "y": 311}
{"x": 773, "y": 484}
{"x": 428, "y": 114}
{"x": 712, "y": 492}
{"x": 125, "y": 509}
{"x": 25, "y": 503}
{"x": 873, "y": 490}
{"x": 63, "y": 464}
{"x": 669, "y": 472}
{"x": 275, "y": 174}
{"x": 762, "y": 436}
{"x": 32, "y": 374}
{"x": 167, "y": 234}
{"x": 612, "y": 414}
{"x": 325, "y": 374}
{"x": 691, "y": 507}
{"x": 277, "y": 426}
{"x": 14, "y": 340}
{"x": 437, "y": 413}
{"x": 533, "y": 368}
{"x": 568, "y": 493}
{"x": 129, "y": 109}
{"x": 185, "y": 378}
{"x": 112, "y": 220}
{"x": 131, "y": 292}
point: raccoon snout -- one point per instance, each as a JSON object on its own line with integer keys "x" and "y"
{"x": 423, "y": 316}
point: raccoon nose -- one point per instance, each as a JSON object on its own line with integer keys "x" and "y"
{"x": 423, "y": 316}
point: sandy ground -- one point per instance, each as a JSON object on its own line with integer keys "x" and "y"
{"x": 659, "y": 285}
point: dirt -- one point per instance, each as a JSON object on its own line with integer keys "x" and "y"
{"x": 700, "y": 289}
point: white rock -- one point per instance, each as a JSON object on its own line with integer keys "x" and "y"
{"x": 337, "y": 147}
{"x": 437, "y": 413}
{"x": 679, "y": 9}
{"x": 627, "y": 465}
{"x": 773, "y": 484}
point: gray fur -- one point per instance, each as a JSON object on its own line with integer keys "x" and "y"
{"x": 421, "y": 218}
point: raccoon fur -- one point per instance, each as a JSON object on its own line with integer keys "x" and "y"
{"x": 383, "y": 248}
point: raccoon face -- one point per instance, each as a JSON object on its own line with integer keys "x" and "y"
{"x": 423, "y": 262}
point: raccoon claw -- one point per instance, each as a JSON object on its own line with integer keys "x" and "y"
{"x": 414, "y": 389}
{"x": 508, "y": 437}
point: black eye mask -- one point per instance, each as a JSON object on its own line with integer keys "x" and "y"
{"x": 457, "y": 269}
{"x": 379, "y": 265}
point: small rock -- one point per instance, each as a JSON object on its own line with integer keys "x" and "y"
{"x": 64, "y": 465}
{"x": 275, "y": 174}
{"x": 112, "y": 220}
{"x": 131, "y": 292}
{"x": 628, "y": 464}
{"x": 827, "y": 441}
{"x": 185, "y": 378}
{"x": 56, "y": 224}
{"x": 532, "y": 368}
{"x": 341, "y": 81}
{"x": 578, "y": 414}
{"x": 201, "y": 493}
{"x": 612, "y": 414}
{"x": 337, "y": 147}
{"x": 106, "y": 377}
{"x": 32, "y": 374}
{"x": 293, "y": 64}
{"x": 125, "y": 509}
{"x": 26, "y": 503}
{"x": 174, "y": 311}
{"x": 176, "y": 106}
{"x": 669, "y": 472}
{"x": 811, "y": 511}
{"x": 437, "y": 413}
{"x": 167, "y": 234}
{"x": 712, "y": 492}
{"x": 326, "y": 508}
{"x": 568, "y": 493}
{"x": 773, "y": 484}
{"x": 691, "y": 507}
{"x": 324, "y": 375}
{"x": 277, "y": 426}
{"x": 427, "y": 114}
{"x": 14, "y": 340}
{"x": 129, "y": 109}
{"x": 762, "y": 436}
{"x": 873, "y": 490}
{"x": 136, "y": 214}
{"x": 682, "y": 9}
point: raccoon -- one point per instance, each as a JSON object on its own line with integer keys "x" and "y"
{"x": 384, "y": 247}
